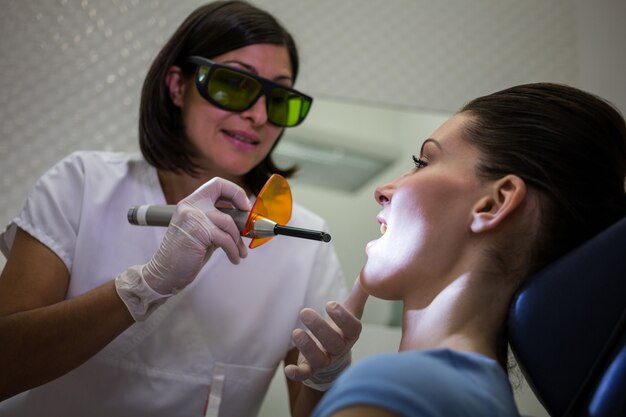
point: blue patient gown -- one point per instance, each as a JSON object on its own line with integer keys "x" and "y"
{"x": 426, "y": 383}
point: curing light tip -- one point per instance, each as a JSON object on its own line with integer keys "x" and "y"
{"x": 302, "y": 233}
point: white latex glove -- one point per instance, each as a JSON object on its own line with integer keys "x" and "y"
{"x": 196, "y": 230}
{"x": 325, "y": 351}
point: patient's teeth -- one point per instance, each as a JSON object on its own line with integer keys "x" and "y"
{"x": 383, "y": 228}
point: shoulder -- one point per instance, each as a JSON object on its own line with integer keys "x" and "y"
{"x": 399, "y": 368}
{"x": 432, "y": 370}
{"x": 430, "y": 383}
{"x": 100, "y": 160}
{"x": 95, "y": 168}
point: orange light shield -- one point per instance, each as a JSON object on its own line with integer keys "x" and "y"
{"x": 274, "y": 202}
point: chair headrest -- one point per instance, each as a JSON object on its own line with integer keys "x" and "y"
{"x": 564, "y": 318}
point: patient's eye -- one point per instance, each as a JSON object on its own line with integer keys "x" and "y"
{"x": 419, "y": 163}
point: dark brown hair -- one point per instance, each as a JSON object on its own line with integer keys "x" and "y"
{"x": 568, "y": 144}
{"x": 211, "y": 30}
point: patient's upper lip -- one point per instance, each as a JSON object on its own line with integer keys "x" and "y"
{"x": 383, "y": 224}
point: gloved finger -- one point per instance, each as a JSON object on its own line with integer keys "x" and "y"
{"x": 315, "y": 357}
{"x": 223, "y": 233}
{"x": 355, "y": 302}
{"x": 216, "y": 189}
{"x": 206, "y": 230}
{"x": 349, "y": 325}
{"x": 298, "y": 372}
{"x": 331, "y": 339}
{"x": 233, "y": 193}
{"x": 225, "y": 223}
{"x": 235, "y": 250}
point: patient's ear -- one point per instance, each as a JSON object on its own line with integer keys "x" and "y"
{"x": 175, "y": 84}
{"x": 506, "y": 194}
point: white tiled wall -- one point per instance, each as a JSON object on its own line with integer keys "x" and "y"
{"x": 71, "y": 70}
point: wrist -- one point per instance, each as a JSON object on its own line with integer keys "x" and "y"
{"x": 140, "y": 299}
{"x": 323, "y": 379}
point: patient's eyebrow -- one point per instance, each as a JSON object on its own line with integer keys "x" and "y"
{"x": 433, "y": 141}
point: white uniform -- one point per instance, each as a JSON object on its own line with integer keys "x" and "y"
{"x": 213, "y": 347}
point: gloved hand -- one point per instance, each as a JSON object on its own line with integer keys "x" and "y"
{"x": 326, "y": 351}
{"x": 196, "y": 230}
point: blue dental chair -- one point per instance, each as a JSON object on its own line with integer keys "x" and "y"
{"x": 568, "y": 329}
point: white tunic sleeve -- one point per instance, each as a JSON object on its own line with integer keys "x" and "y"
{"x": 52, "y": 209}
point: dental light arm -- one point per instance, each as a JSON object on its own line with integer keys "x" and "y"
{"x": 160, "y": 215}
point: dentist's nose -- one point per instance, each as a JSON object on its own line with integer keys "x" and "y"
{"x": 258, "y": 112}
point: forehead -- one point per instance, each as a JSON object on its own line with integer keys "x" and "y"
{"x": 450, "y": 135}
{"x": 259, "y": 58}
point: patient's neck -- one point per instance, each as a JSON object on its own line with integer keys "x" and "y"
{"x": 467, "y": 315}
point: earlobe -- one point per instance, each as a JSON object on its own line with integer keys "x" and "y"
{"x": 506, "y": 195}
{"x": 175, "y": 85}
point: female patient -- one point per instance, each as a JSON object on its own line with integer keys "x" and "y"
{"x": 508, "y": 184}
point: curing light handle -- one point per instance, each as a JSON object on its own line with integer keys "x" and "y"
{"x": 151, "y": 214}
{"x": 160, "y": 215}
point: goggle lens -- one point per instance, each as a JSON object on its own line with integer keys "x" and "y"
{"x": 287, "y": 108}
{"x": 231, "y": 90}
{"x": 235, "y": 90}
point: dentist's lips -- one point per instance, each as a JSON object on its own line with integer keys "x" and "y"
{"x": 241, "y": 139}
